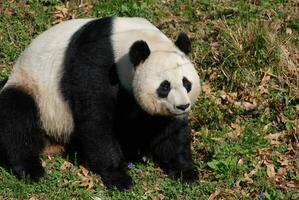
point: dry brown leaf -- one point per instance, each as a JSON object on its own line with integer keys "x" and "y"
{"x": 161, "y": 196}
{"x": 263, "y": 88}
{"x": 240, "y": 162}
{"x": 63, "y": 13}
{"x": 284, "y": 160}
{"x": 245, "y": 105}
{"x": 87, "y": 182}
{"x": 84, "y": 170}
{"x": 257, "y": 167}
{"x": 214, "y": 195}
{"x": 270, "y": 170}
{"x": 234, "y": 134}
{"x": 218, "y": 139}
{"x": 289, "y": 31}
{"x": 53, "y": 150}
{"x": 8, "y": 12}
{"x": 73, "y": 183}
{"x": 292, "y": 184}
{"x": 267, "y": 126}
{"x": 248, "y": 179}
{"x": 44, "y": 163}
{"x": 274, "y": 138}
{"x": 66, "y": 166}
{"x": 237, "y": 132}
{"x": 230, "y": 97}
{"x": 207, "y": 88}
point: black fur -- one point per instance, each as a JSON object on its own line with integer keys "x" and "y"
{"x": 164, "y": 89}
{"x": 139, "y": 52}
{"x": 21, "y": 139}
{"x": 110, "y": 127}
{"x": 92, "y": 95}
{"x": 166, "y": 139}
{"x": 183, "y": 43}
{"x": 187, "y": 84}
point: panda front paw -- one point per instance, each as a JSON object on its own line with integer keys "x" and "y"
{"x": 186, "y": 176}
{"x": 33, "y": 173}
{"x": 189, "y": 176}
{"x": 117, "y": 178}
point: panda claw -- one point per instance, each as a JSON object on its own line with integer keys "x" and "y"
{"x": 120, "y": 180}
{"x": 185, "y": 176}
{"x": 32, "y": 175}
{"x": 189, "y": 176}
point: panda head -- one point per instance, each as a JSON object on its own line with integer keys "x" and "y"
{"x": 165, "y": 82}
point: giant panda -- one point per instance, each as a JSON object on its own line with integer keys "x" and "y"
{"x": 112, "y": 89}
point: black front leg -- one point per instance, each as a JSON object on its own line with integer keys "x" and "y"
{"x": 172, "y": 150}
{"x": 98, "y": 147}
{"x": 103, "y": 155}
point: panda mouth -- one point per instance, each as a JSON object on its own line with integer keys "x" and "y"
{"x": 180, "y": 114}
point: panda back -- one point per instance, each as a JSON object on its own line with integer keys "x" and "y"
{"x": 38, "y": 72}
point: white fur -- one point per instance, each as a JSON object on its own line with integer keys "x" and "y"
{"x": 165, "y": 62}
{"x": 170, "y": 66}
{"x": 38, "y": 71}
{"x": 125, "y": 32}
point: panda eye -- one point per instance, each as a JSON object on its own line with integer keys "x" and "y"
{"x": 187, "y": 84}
{"x": 163, "y": 89}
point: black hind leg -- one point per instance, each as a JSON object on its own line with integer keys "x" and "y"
{"x": 21, "y": 138}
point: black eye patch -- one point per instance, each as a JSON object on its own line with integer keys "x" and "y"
{"x": 163, "y": 89}
{"x": 187, "y": 84}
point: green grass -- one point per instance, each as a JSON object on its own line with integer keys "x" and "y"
{"x": 245, "y": 124}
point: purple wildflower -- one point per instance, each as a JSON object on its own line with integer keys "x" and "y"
{"x": 262, "y": 195}
{"x": 130, "y": 165}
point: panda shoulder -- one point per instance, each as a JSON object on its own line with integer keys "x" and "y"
{"x": 57, "y": 36}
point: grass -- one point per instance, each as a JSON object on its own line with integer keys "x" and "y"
{"x": 245, "y": 124}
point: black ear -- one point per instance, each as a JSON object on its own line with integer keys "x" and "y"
{"x": 183, "y": 43}
{"x": 139, "y": 52}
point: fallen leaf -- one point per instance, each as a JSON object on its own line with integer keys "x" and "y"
{"x": 218, "y": 139}
{"x": 289, "y": 31}
{"x": 84, "y": 170}
{"x": 87, "y": 182}
{"x": 257, "y": 167}
{"x": 283, "y": 160}
{"x": 263, "y": 88}
{"x": 214, "y": 195}
{"x": 96, "y": 198}
{"x": 245, "y": 105}
{"x": 248, "y": 179}
{"x": 292, "y": 184}
{"x": 267, "y": 126}
{"x": 237, "y": 132}
{"x": 66, "y": 166}
{"x": 207, "y": 88}
{"x": 270, "y": 170}
{"x": 53, "y": 150}
{"x": 274, "y": 138}
{"x": 44, "y": 163}
{"x": 240, "y": 162}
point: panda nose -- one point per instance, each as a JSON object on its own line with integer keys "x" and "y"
{"x": 183, "y": 107}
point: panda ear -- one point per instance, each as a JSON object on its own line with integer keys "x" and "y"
{"x": 183, "y": 43}
{"x": 139, "y": 52}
